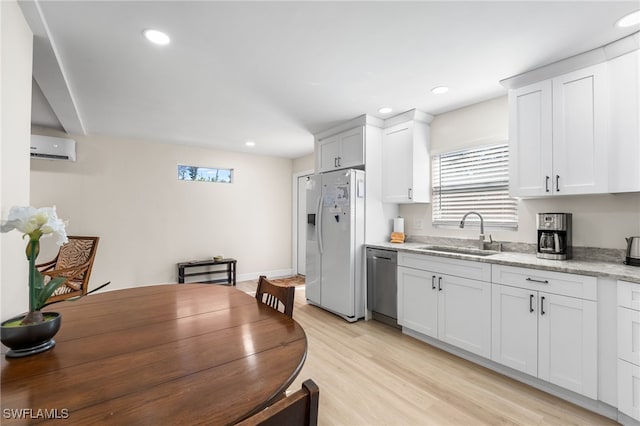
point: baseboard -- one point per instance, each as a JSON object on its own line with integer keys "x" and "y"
{"x": 278, "y": 273}
{"x": 625, "y": 420}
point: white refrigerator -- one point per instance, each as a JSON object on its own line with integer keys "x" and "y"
{"x": 335, "y": 240}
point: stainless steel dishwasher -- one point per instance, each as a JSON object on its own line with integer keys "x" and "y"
{"x": 382, "y": 285}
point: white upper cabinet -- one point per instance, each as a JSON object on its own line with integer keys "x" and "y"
{"x": 405, "y": 160}
{"x": 530, "y": 140}
{"x": 558, "y": 131}
{"x": 580, "y": 131}
{"x": 624, "y": 153}
{"x": 342, "y": 151}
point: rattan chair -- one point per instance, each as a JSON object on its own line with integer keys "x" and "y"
{"x": 277, "y": 297}
{"x": 74, "y": 262}
{"x": 298, "y": 409}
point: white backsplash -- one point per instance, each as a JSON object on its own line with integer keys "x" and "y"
{"x": 601, "y": 221}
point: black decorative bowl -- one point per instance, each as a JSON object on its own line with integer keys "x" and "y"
{"x": 24, "y": 340}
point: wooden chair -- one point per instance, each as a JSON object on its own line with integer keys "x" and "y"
{"x": 74, "y": 261}
{"x": 298, "y": 409}
{"x": 275, "y": 296}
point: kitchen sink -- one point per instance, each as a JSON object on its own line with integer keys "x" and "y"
{"x": 459, "y": 250}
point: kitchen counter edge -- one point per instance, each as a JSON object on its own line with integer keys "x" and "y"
{"x": 618, "y": 271}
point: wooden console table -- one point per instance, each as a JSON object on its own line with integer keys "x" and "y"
{"x": 229, "y": 270}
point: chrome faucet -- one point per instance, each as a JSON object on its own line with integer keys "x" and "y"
{"x": 481, "y": 242}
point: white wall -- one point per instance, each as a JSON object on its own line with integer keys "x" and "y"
{"x": 127, "y": 193}
{"x": 303, "y": 164}
{"x": 16, "y": 46}
{"x": 598, "y": 220}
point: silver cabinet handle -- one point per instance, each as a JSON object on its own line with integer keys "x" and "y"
{"x": 537, "y": 281}
{"x": 433, "y": 282}
{"x": 546, "y": 183}
{"x": 557, "y": 183}
{"x": 410, "y": 194}
{"x": 542, "y": 312}
{"x": 339, "y": 158}
{"x": 439, "y": 283}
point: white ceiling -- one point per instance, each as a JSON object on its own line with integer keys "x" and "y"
{"x": 277, "y": 72}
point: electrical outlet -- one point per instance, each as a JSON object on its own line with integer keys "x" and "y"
{"x": 417, "y": 224}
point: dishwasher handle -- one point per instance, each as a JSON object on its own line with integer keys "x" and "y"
{"x": 383, "y": 255}
{"x": 375, "y": 256}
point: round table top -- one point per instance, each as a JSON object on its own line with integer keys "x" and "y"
{"x": 187, "y": 353}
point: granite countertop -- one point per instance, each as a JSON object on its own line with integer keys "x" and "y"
{"x": 597, "y": 268}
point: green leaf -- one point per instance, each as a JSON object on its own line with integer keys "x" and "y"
{"x": 43, "y": 294}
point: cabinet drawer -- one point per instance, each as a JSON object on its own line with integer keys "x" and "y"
{"x": 571, "y": 285}
{"x": 629, "y": 335}
{"x": 629, "y": 389}
{"x": 444, "y": 265}
{"x": 629, "y": 295}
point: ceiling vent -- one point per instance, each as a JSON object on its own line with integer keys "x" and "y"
{"x": 51, "y": 148}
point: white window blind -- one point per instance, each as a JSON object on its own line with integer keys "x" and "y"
{"x": 474, "y": 179}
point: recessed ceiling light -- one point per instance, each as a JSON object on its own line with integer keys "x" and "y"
{"x": 250, "y": 143}
{"x": 439, "y": 90}
{"x": 385, "y": 110}
{"x": 629, "y": 20}
{"x": 156, "y": 37}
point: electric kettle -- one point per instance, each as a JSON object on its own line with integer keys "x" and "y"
{"x": 633, "y": 251}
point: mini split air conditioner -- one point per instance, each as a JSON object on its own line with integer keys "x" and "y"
{"x": 51, "y": 148}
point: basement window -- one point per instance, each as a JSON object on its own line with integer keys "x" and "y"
{"x": 205, "y": 174}
{"x": 474, "y": 179}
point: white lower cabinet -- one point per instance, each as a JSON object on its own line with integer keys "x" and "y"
{"x": 629, "y": 389}
{"x": 629, "y": 349}
{"x": 464, "y": 314}
{"x": 417, "y": 301}
{"x": 456, "y": 310}
{"x": 515, "y": 328}
{"x": 568, "y": 343}
{"x": 547, "y": 335}
{"x": 541, "y": 323}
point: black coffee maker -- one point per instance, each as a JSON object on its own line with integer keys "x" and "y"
{"x": 554, "y": 235}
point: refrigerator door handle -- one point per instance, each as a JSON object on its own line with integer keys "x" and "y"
{"x": 319, "y": 221}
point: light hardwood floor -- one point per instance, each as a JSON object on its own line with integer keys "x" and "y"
{"x": 372, "y": 374}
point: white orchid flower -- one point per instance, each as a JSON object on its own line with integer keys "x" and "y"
{"x": 35, "y": 223}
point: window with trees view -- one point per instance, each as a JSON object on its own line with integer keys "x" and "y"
{"x": 205, "y": 174}
{"x": 474, "y": 179}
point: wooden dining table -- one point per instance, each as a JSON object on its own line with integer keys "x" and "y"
{"x": 163, "y": 354}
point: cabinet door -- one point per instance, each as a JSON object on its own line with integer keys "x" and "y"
{"x": 629, "y": 335}
{"x": 580, "y": 115}
{"x": 328, "y": 153}
{"x": 418, "y": 301}
{"x": 514, "y": 328}
{"x": 464, "y": 314}
{"x": 352, "y": 148}
{"x": 397, "y": 158}
{"x": 624, "y": 148}
{"x": 629, "y": 389}
{"x": 530, "y": 140}
{"x": 567, "y": 344}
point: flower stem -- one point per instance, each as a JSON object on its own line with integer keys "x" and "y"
{"x": 32, "y": 252}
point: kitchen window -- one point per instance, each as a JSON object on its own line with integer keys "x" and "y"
{"x": 205, "y": 174}
{"x": 474, "y": 179}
